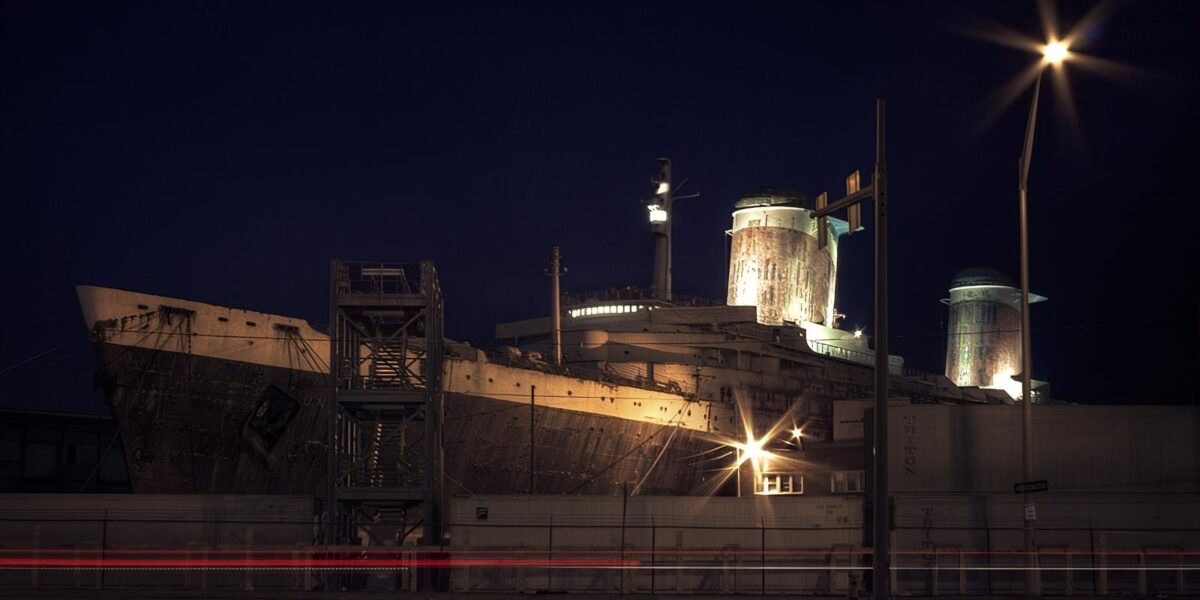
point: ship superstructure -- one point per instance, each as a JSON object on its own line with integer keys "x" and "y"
{"x": 776, "y": 262}
{"x": 983, "y": 344}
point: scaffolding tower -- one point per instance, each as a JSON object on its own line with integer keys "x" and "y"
{"x": 386, "y": 344}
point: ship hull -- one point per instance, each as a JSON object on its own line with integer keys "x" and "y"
{"x": 204, "y": 425}
{"x": 208, "y": 425}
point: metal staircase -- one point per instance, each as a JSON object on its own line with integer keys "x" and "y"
{"x": 385, "y": 419}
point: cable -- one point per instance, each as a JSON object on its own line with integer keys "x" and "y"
{"x": 103, "y": 456}
{"x": 45, "y": 352}
{"x": 614, "y": 463}
{"x": 650, "y": 470}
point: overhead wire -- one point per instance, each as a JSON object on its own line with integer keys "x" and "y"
{"x": 35, "y": 356}
{"x": 633, "y": 449}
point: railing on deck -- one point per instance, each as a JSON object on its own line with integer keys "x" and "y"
{"x": 857, "y": 356}
{"x": 633, "y": 293}
{"x": 523, "y": 361}
{"x": 868, "y": 358}
{"x": 379, "y": 277}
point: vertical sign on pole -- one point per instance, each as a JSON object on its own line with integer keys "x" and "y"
{"x": 854, "y": 211}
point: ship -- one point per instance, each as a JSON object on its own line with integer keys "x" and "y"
{"x": 654, "y": 393}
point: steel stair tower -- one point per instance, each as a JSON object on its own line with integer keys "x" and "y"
{"x": 385, "y": 418}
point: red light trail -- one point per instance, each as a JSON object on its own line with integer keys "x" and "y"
{"x": 397, "y": 559}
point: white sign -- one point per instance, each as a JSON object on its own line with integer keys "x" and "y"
{"x": 1030, "y": 512}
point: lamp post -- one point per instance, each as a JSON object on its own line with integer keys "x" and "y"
{"x": 1053, "y": 54}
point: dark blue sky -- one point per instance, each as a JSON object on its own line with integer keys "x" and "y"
{"x": 225, "y": 151}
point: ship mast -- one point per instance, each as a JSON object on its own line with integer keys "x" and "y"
{"x": 660, "y": 227}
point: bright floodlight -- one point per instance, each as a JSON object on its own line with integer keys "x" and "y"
{"x": 798, "y": 433}
{"x": 753, "y": 450}
{"x": 1055, "y": 52}
{"x": 657, "y": 214}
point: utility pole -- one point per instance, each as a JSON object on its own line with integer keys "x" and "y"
{"x": 556, "y": 304}
{"x": 855, "y": 194}
{"x": 881, "y": 564}
{"x": 532, "y": 436}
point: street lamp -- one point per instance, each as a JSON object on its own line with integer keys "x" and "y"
{"x": 1054, "y": 54}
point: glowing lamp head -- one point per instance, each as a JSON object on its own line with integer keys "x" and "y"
{"x": 797, "y": 433}
{"x": 657, "y": 214}
{"x": 1056, "y": 52}
{"x": 753, "y": 450}
{"x": 663, "y": 187}
{"x": 857, "y": 333}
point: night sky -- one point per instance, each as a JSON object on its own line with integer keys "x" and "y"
{"x": 224, "y": 152}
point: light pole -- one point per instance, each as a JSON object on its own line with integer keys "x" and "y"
{"x": 1053, "y": 54}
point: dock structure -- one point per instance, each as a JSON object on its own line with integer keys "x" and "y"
{"x": 385, "y": 362}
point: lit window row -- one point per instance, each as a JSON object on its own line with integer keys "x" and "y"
{"x": 779, "y": 483}
{"x": 611, "y": 309}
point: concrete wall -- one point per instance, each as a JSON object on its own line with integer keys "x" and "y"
{"x": 179, "y": 523}
{"x": 1076, "y": 448}
{"x": 961, "y": 544}
{"x": 966, "y": 543}
{"x": 670, "y": 544}
{"x": 1108, "y": 543}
